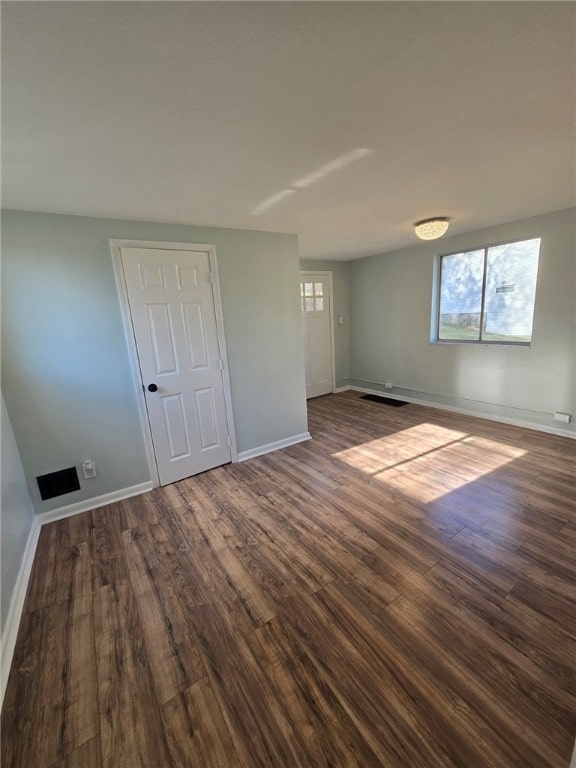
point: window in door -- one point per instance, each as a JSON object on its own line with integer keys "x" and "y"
{"x": 312, "y": 297}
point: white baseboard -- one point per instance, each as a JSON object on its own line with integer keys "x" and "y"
{"x": 469, "y": 412}
{"x": 262, "y": 449}
{"x": 337, "y": 390}
{"x": 97, "y": 501}
{"x": 14, "y": 615}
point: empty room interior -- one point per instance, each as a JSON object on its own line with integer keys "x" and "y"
{"x": 288, "y": 449}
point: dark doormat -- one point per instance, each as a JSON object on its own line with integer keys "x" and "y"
{"x": 384, "y": 400}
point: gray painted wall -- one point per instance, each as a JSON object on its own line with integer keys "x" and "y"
{"x": 66, "y": 375}
{"x": 390, "y": 299}
{"x": 16, "y": 513}
{"x": 341, "y": 306}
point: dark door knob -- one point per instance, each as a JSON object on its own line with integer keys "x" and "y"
{"x": 152, "y": 388}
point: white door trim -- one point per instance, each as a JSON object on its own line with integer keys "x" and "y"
{"x": 329, "y": 275}
{"x": 115, "y": 246}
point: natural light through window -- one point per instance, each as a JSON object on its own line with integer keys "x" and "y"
{"x": 312, "y": 296}
{"x": 487, "y": 295}
{"x": 427, "y": 461}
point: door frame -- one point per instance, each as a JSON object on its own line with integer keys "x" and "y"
{"x": 115, "y": 249}
{"x": 329, "y": 275}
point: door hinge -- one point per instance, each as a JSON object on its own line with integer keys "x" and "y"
{"x": 221, "y": 364}
{"x": 211, "y": 277}
{"x": 229, "y": 442}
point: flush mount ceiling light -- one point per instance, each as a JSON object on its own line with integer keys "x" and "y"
{"x": 431, "y": 229}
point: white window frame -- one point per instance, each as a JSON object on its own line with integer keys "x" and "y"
{"x": 437, "y": 291}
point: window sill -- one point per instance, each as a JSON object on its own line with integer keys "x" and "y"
{"x": 506, "y": 344}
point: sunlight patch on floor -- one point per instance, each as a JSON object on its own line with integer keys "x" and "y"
{"x": 428, "y": 461}
{"x": 399, "y": 447}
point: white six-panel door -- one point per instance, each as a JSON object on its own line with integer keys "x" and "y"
{"x": 173, "y": 312}
{"x": 315, "y": 298}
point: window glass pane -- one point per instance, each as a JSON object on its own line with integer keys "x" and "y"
{"x": 511, "y": 273}
{"x": 318, "y": 289}
{"x": 309, "y": 289}
{"x": 319, "y": 304}
{"x": 461, "y": 296}
{"x": 309, "y": 305}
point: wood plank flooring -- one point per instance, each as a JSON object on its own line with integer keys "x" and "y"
{"x": 398, "y": 592}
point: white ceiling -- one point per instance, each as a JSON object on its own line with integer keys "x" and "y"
{"x": 253, "y": 115}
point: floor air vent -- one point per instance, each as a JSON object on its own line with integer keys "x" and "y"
{"x": 384, "y": 400}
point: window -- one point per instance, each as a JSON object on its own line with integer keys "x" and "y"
{"x": 486, "y": 296}
{"x": 312, "y": 297}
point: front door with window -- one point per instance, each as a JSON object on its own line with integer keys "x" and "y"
{"x": 315, "y": 298}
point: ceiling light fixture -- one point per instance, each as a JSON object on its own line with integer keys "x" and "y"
{"x": 431, "y": 229}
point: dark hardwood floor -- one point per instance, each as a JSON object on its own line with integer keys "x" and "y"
{"x": 398, "y": 592}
